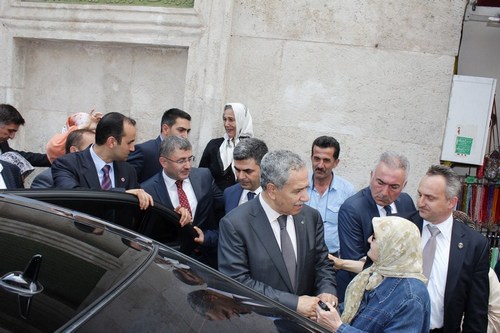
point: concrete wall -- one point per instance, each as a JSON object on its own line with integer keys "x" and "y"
{"x": 376, "y": 75}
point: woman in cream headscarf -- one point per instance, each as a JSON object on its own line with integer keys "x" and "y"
{"x": 391, "y": 295}
{"x": 218, "y": 155}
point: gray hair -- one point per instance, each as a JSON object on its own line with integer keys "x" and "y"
{"x": 171, "y": 143}
{"x": 453, "y": 184}
{"x": 250, "y": 148}
{"x": 394, "y": 161}
{"x": 276, "y": 165}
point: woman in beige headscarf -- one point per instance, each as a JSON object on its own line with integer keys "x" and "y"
{"x": 391, "y": 295}
{"x": 218, "y": 155}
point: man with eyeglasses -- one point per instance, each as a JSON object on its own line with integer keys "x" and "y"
{"x": 381, "y": 198}
{"x": 181, "y": 185}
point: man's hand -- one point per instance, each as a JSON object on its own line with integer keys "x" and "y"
{"x": 307, "y": 306}
{"x": 185, "y": 215}
{"x": 145, "y": 200}
{"x": 201, "y": 237}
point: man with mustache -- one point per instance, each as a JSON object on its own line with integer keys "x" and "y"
{"x": 381, "y": 198}
{"x": 327, "y": 191}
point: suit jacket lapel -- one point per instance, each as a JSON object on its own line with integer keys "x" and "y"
{"x": 458, "y": 248}
{"x": 161, "y": 190}
{"x": 120, "y": 176}
{"x": 89, "y": 172}
{"x": 262, "y": 227}
{"x": 301, "y": 234}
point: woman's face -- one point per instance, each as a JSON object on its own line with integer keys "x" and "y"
{"x": 374, "y": 249}
{"x": 229, "y": 123}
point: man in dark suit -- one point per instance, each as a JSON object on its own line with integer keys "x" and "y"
{"x": 77, "y": 140}
{"x": 247, "y": 156}
{"x": 179, "y": 185}
{"x": 10, "y": 176}
{"x": 10, "y": 120}
{"x": 458, "y": 274}
{"x": 102, "y": 165}
{"x": 275, "y": 243}
{"x": 383, "y": 197}
{"x": 145, "y": 157}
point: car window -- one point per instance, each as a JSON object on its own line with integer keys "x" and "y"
{"x": 176, "y": 294}
{"x": 80, "y": 264}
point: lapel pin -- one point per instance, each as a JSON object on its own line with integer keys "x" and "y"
{"x": 302, "y": 222}
{"x": 122, "y": 179}
{"x": 460, "y": 245}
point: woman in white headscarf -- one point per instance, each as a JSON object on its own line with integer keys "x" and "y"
{"x": 218, "y": 155}
{"x": 391, "y": 295}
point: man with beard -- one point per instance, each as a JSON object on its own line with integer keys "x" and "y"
{"x": 381, "y": 198}
{"x": 328, "y": 191}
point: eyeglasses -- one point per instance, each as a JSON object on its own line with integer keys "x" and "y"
{"x": 189, "y": 159}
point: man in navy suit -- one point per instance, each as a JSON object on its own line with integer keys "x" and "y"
{"x": 10, "y": 176}
{"x": 178, "y": 180}
{"x": 10, "y": 120}
{"x": 275, "y": 243}
{"x": 247, "y": 156}
{"x": 381, "y": 198}
{"x": 114, "y": 139}
{"x": 458, "y": 275}
{"x": 145, "y": 157}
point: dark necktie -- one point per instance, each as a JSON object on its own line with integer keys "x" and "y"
{"x": 430, "y": 250}
{"x": 287, "y": 249}
{"x": 250, "y": 196}
{"x": 183, "y": 200}
{"x": 388, "y": 210}
{"x": 106, "y": 181}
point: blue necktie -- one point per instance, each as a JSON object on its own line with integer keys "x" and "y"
{"x": 250, "y": 196}
{"x": 388, "y": 210}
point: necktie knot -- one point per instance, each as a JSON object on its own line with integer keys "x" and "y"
{"x": 388, "y": 210}
{"x": 282, "y": 221}
{"x": 433, "y": 230}
{"x": 178, "y": 183}
{"x": 250, "y": 195}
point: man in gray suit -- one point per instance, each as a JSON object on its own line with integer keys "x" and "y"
{"x": 275, "y": 244}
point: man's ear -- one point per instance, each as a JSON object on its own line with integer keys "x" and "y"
{"x": 163, "y": 161}
{"x": 165, "y": 129}
{"x": 271, "y": 190}
{"x": 73, "y": 149}
{"x": 111, "y": 142}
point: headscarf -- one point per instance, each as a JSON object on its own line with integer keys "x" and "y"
{"x": 399, "y": 255}
{"x": 244, "y": 129}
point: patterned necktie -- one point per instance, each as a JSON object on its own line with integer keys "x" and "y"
{"x": 388, "y": 210}
{"x": 106, "y": 181}
{"x": 250, "y": 196}
{"x": 430, "y": 250}
{"x": 287, "y": 249}
{"x": 183, "y": 200}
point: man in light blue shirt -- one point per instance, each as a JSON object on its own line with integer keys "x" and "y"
{"x": 327, "y": 191}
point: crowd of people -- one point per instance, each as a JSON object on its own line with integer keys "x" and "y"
{"x": 365, "y": 261}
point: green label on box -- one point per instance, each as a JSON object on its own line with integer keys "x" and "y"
{"x": 463, "y": 145}
{"x": 156, "y": 3}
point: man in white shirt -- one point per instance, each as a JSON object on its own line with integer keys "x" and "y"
{"x": 457, "y": 263}
{"x": 246, "y": 160}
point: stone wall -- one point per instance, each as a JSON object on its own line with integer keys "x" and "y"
{"x": 375, "y": 75}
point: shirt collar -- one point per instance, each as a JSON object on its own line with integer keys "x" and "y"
{"x": 445, "y": 227}
{"x": 271, "y": 214}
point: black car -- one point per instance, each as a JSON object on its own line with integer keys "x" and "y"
{"x": 64, "y": 270}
